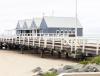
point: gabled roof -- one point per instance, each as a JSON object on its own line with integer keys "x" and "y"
{"x": 20, "y": 23}
{"x": 52, "y": 21}
{"x": 25, "y": 25}
{"x": 28, "y": 22}
{"x": 37, "y": 21}
{"x": 33, "y": 25}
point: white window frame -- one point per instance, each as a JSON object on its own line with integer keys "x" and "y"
{"x": 62, "y": 31}
{"x": 66, "y": 31}
{"x": 69, "y": 31}
{"x": 57, "y": 31}
{"x": 73, "y": 31}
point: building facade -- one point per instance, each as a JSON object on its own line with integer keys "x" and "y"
{"x": 50, "y": 24}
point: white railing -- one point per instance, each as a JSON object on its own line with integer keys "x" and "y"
{"x": 72, "y": 41}
{"x": 47, "y": 34}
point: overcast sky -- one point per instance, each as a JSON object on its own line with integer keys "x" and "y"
{"x": 13, "y": 10}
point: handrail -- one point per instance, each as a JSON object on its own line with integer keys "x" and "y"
{"x": 46, "y": 34}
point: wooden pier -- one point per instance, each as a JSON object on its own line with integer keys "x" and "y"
{"x": 75, "y": 47}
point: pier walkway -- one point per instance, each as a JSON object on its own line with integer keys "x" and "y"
{"x": 61, "y": 44}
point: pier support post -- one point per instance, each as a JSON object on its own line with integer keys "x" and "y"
{"x": 0, "y": 45}
{"x": 7, "y": 46}
{"x": 66, "y": 55}
{"x": 42, "y": 53}
{"x": 21, "y": 48}
{"x": 52, "y": 52}
{"x": 59, "y": 54}
{"x": 36, "y": 50}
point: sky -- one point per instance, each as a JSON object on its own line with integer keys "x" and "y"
{"x": 13, "y": 10}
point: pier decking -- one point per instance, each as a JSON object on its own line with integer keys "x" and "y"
{"x": 62, "y": 44}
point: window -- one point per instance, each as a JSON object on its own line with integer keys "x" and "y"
{"x": 61, "y": 31}
{"x": 21, "y": 31}
{"x": 70, "y": 31}
{"x": 27, "y": 31}
{"x": 30, "y": 31}
{"x": 73, "y": 31}
{"x": 57, "y": 31}
{"x": 65, "y": 31}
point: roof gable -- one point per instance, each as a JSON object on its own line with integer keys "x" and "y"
{"x": 21, "y": 23}
{"x": 43, "y": 24}
{"x": 18, "y": 25}
{"x": 29, "y": 23}
{"x": 37, "y": 22}
{"x": 25, "y": 25}
{"x": 33, "y": 25}
{"x": 51, "y": 21}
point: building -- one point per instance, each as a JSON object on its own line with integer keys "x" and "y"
{"x": 50, "y": 24}
{"x": 28, "y": 26}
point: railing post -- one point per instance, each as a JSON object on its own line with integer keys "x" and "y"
{"x": 39, "y": 39}
{"x": 71, "y": 45}
{"x": 75, "y": 46}
{"x": 53, "y": 41}
{"x": 67, "y": 34}
{"x": 48, "y": 35}
{"x": 61, "y": 44}
{"x": 23, "y": 40}
{"x": 63, "y": 35}
{"x": 45, "y": 43}
{"x": 97, "y": 50}
{"x": 83, "y": 48}
{"x": 19, "y": 39}
{"x": 28, "y": 40}
{"x": 75, "y": 43}
{"x": 33, "y": 40}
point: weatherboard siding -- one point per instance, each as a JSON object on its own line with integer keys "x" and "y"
{"x": 79, "y": 31}
{"x": 48, "y": 26}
